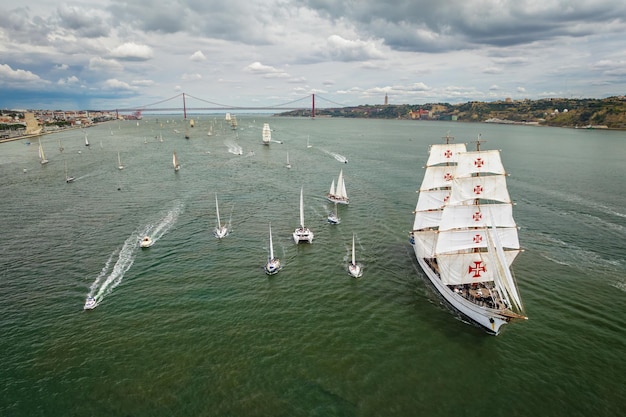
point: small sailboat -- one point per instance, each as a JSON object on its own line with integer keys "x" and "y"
{"x": 119, "y": 162}
{"x": 210, "y": 132}
{"x": 338, "y": 194}
{"x": 302, "y": 233}
{"x": 288, "y": 166}
{"x": 266, "y": 134}
{"x": 464, "y": 235}
{"x": 355, "y": 269}
{"x": 233, "y": 122}
{"x": 273, "y": 264}
{"x": 68, "y": 178}
{"x": 146, "y": 242}
{"x": 308, "y": 145}
{"x": 175, "y": 162}
{"x": 42, "y": 155}
{"x": 90, "y": 303}
{"x": 333, "y": 218}
{"x": 86, "y": 140}
{"x": 220, "y": 230}
{"x": 61, "y": 148}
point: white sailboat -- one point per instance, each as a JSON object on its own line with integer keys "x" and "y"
{"x": 119, "y": 162}
{"x": 220, "y": 230}
{"x": 42, "y": 155}
{"x": 288, "y": 166}
{"x": 272, "y": 266}
{"x": 464, "y": 236}
{"x": 68, "y": 178}
{"x": 175, "y": 162}
{"x": 86, "y": 140}
{"x": 355, "y": 269}
{"x": 308, "y": 145}
{"x": 338, "y": 193}
{"x": 302, "y": 233}
{"x": 266, "y": 134}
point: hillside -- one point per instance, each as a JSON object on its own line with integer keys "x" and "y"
{"x": 608, "y": 113}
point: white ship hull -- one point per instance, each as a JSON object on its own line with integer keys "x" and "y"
{"x": 489, "y": 319}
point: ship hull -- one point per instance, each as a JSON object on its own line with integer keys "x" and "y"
{"x": 488, "y": 319}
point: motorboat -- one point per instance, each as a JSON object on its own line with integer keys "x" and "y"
{"x": 90, "y": 303}
{"x": 146, "y": 242}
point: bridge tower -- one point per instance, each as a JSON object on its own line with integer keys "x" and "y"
{"x": 313, "y": 106}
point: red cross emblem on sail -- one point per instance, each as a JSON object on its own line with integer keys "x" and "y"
{"x": 478, "y": 189}
{"x": 479, "y": 162}
{"x": 478, "y": 216}
{"x": 477, "y": 269}
{"x": 446, "y": 198}
{"x": 448, "y": 153}
{"x": 477, "y": 239}
{"x": 447, "y": 177}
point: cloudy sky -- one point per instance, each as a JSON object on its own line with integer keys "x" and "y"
{"x": 107, "y": 54}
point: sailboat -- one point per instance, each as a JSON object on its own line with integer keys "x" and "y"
{"x": 86, "y": 140}
{"x": 273, "y": 264}
{"x": 42, "y": 155}
{"x": 464, "y": 236}
{"x": 338, "y": 194}
{"x": 288, "y": 166}
{"x": 68, "y": 178}
{"x": 333, "y": 218}
{"x": 308, "y": 145}
{"x": 119, "y": 162}
{"x": 233, "y": 122}
{"x": 266, "y": 134}
{"x": 355, "y": 269}
{"x": 175, "y": 162}
{"x": 302, "y": 233}
{"x": 220, "y": 231}
{"x": 61, "y": 148}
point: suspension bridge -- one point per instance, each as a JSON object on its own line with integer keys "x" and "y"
{"x": 298, "y": 104}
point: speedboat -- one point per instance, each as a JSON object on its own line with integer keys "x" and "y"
{"x": 90, "y": 303}
{"x": 146, "y": 242}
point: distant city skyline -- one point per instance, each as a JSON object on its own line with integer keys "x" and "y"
{"x": 106, "y": 54}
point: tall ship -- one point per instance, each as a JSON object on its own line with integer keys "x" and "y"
{"x": 464, "y": 235}
{"x": 266, "y": 134}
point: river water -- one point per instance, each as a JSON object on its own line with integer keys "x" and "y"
{"x": 193, "y": 327}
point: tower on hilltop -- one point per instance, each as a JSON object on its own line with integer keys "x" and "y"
{"x": 386, "y": 99}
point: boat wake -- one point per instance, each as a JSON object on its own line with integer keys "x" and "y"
{"x": 156, "y": 231}
{"x": 109, "y": 278}
{"x": 234, "y": 148}
{"x": 337, "y": 156}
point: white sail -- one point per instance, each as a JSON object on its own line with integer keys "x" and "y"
{"x": 301, "y": 208}
{"x": 438, "y": 176}
{"x": 266, "y": 134}
{"x": 271, "y": 244}
{"x": 227, "y": 117}
{"x": 444, "y": 153}
{"x": 479, "y": 162}
{"x": 469, "y": 268}
{"x": 460, "y": 240}
{"x": 457, "y": 217}
{"x": 341, "y": 187}
{"x": 175, "y": 161}
{"x": 490, "y": 187}
{"x": 42, "y": 155}
{"x": 332, "y": 187}
{"x": 427, "y": 219}
{"x": 119, "y": 161}
{"x": 432, "y": 199}
{"x": 425, "y": 242}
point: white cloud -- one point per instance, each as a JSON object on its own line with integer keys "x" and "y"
{"x": 100, "y": 64}
{"x": 115, "y": 84}
{"x": 9, "y": 74}
{"x": 73, "y": 80}
{"x": 191, "y": 77}
{"x": 266, "y": 71}
{"x": 198, "y": 56}
{"x": 130, "y": 51}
